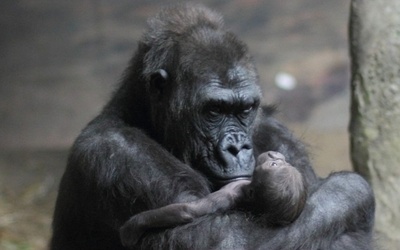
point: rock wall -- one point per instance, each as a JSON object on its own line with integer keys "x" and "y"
{"x": 375, "y": 108}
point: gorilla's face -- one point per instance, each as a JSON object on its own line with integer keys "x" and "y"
{"x": 214, "y": 127}
{"x": 208, "y": 107}
{"x": 226, "y": 116}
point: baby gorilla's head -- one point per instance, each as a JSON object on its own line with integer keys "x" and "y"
{"x": 277, "y": 189}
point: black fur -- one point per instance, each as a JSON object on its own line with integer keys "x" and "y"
{"x": 276, "y": 194}
{"x": 182, "y": 123}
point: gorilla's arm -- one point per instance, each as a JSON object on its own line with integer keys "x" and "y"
{"x": 340, "y": 208}
{"x": 339, "y": 212}
{"x": 338, "y": 215}
{"x": 124, "y": 160}
{"x": 276, "y": 195}
{"x": 182, "y": 213}
{"x": 115, "y": 171}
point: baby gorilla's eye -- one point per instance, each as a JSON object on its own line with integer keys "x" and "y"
{"x": 273, "y": 164}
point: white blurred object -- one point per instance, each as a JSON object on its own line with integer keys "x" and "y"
{"x": 285, "y": 81}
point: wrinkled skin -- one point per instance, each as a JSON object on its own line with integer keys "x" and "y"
{"x": 184, "y": 122}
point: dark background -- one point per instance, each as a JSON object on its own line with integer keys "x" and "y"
{"x": 60, "y": 61}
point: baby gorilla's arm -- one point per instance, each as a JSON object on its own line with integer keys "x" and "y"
{"x": 181, "y": 213}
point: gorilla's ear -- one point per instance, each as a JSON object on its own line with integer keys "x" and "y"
{"x": 158, "y": 82}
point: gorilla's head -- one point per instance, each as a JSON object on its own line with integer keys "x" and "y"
{"x": 203, "y": 92}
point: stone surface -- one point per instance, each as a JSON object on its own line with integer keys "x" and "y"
{"x": 375, "y": 108}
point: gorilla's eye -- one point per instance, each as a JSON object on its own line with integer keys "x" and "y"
{"x": 273, "y": 164}
{"x": 214, "y": 110}
{"x": 247, "y": 110}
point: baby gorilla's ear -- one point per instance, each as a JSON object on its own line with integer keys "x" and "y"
{"x": 248, "y": 192}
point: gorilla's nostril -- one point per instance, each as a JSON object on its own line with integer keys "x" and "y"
{"x": 233, "y": 150}
{"x": 246, "y": 146}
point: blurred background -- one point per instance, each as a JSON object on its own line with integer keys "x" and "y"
{"x": 61, "y": 60}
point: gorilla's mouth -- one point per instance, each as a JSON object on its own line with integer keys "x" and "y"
{"x": 219, "y": 174}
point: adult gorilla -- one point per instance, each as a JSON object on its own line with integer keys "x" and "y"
{"x": 185, "y": 121}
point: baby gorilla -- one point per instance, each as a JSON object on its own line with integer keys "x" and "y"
{"x": 277, "y": 193}
{"x": 277, "y": 190}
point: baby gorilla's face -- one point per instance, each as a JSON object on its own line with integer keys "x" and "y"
{"x": 272, "y": 159}
{"x": 277, "y": 188}
{"x": 272, "y": 169}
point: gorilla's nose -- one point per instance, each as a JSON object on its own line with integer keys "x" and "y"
{"x": 234, "y": 143}
{"x": 236, "y": 148}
